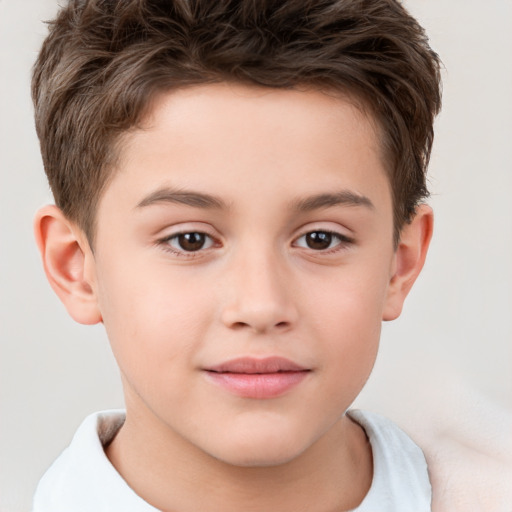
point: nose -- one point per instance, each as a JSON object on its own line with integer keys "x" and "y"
{"x": 259, "y": 295}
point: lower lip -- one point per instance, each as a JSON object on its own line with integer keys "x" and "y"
{"x": 257, "y": 385}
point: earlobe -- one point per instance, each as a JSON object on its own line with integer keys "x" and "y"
{"x": 66, "y": 259}
{"x": 409, "y": 260}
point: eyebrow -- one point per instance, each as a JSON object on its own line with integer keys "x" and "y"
{"x": 208, "y": 201}
{"x": 326, "y": 200}
{"x": 189, "y": 198}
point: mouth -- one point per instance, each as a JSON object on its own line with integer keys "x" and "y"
{"x": 256, "y": 378}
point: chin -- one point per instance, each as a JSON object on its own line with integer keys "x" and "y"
{"x": 259, "y": 451}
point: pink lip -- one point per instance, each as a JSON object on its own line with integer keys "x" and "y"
{"x": 257, "y": 378}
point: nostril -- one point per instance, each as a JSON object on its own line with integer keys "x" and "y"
{"x": 239, "y": 325}
{"x": 245, "y": 325}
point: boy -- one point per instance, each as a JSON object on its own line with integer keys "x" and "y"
{"x": 238, "y": 191}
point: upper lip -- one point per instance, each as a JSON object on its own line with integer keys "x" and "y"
{"x": 252, "y": 365}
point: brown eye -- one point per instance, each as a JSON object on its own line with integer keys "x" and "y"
{"x": 190, "y": 242}
{"x": 319, "y": 240}
{"x": 323, "y": 241}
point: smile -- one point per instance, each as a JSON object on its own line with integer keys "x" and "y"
{"x": 257, "y": 378}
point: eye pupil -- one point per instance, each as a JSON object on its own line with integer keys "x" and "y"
{"x": 192, "y": 241}
{"x": 318, "y": 240}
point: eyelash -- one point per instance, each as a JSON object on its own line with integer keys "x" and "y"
{"x": 343, "y": 242}
{"x": 165, "y": 243}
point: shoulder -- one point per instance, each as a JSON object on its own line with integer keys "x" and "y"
{"x": 82, "y": 478}
{"x": 400, "y": 474}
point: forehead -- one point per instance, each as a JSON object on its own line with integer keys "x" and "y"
{"x": 253, "y": 107}
{"x": 250, "y": 139}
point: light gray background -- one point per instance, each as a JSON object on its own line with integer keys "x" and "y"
{"x": 444, "y": 370}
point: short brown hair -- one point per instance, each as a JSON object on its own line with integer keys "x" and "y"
{"x": 103, "y": 61}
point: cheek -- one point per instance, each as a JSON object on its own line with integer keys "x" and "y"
{"x": 350, "y": 300}
{"x": 347, "y": 318}
{"x": 149, "y": 320}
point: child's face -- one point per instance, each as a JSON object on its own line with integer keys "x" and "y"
{"x": 245, "y": 223}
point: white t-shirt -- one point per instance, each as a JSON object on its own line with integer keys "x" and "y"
{"x": 82, "y": 479}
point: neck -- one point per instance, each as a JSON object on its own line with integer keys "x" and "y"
{"x": 173, "y": 475}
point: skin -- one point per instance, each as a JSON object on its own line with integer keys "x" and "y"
{"x": 257, "y": 287}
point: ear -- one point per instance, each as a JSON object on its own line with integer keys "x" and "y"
{"x": 68, "y": 263}
{"x": 408, "y": 260}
